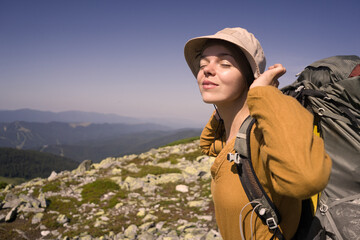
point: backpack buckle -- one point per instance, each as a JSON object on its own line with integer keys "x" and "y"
{"x": 299, "y": 88}
{"x": 234, "y": 157}
{"x": 271, "y": 223}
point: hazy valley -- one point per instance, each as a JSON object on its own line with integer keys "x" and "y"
{"x": 74, "y": 141}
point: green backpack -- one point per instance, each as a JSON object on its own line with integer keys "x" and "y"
{"x": 330, "y": 90}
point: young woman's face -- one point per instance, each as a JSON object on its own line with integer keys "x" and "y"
{"x": 219, "y": 78}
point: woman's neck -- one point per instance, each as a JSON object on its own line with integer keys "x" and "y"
{"x": 233, "y": 116}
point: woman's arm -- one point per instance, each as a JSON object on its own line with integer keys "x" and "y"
{"x": 295, "y": 157}
{"x": 210, "y": 140}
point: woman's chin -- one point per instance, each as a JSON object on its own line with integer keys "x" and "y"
{"x": 209, "y": 101}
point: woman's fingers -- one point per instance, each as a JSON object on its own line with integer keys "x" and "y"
{"x": 270, "y": 77}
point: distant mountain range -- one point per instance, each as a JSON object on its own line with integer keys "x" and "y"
{"x": 30, "y": 115}
{"x": 27, "y": 135}
{"x": 83, "y": 140}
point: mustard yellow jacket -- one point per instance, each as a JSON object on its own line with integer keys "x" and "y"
{"x": 289, "y": 160}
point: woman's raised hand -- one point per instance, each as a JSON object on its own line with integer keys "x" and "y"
{"x": 270, "y": 76}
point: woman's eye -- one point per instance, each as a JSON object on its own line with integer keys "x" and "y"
{"x": 202, "y": 65}
{"x": 225, "y": 64}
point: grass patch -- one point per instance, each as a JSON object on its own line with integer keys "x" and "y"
{"x": 182, "y": 141}
{"x": 63, "y": 205}
{"x": 49, "y": 220}
{"x": 13, "y": 181}
{"x": 72, "y": 183}
{"x": 52, "y": 187}
{"x": 148, "y": 169}
{"x": 172, "y": 158}
{"x": 169, "y": 189}
{"x": 206, "y": 191}
{"x": 181, "y": 211}
{"x": 3, "y": 185}
{"x": 121, "y": 194}
{"x": 92, "y": 192}
{"x": 167, "y": 203}
{"x": 137, "y": 161}
{"x": 193, "y": 155}
{"x": 118, "y": 224}
{"x": 36, "y": 192}
{"x": 8, "y": 230}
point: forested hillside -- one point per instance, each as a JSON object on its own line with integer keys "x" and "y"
{"x": 29, "y": 164}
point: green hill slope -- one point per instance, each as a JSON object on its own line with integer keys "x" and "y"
{"x": 29, "y": 164}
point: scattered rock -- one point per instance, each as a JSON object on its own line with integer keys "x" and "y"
{"x": 206, "y": 218}
{"x": 182, "y": 188}
{"x": 10, "y": 197}
{"x": 30, "y": 200}
{"x": 13, "y": 203}
{"x": 131, "y": 231}
{"x": 212, "y": 235}
{"x": 11, "y": 216}
{"x": 146, "y": 226}
{"x": 52, "y": 176}
{"x": 61, "y": 219}
{"x": 149, "y": 217}
{"x": 196, "y": 203}
{"x": 154, "y": 202}
{"x": 42, "y": 199}
{"x": 141, "y": 212}
{"x": 170, "y": 178}
{"x": 45, "y": 233}
{"x": 146, "y": 236}
{"x": 133, "y": 183}
{"x": 37, "y": 218}
{"x": 83, "y": 167}
{"x": 8, "y": 187}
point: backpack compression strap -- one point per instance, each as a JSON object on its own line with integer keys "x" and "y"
{"x": 266, "y": 211}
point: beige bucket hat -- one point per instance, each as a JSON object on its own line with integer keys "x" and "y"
{"x": 246, "y": 41}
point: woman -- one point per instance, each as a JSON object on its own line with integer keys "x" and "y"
{"x": 288, "y": 159}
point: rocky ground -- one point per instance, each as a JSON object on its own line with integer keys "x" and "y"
{"x": 163, "y": 194}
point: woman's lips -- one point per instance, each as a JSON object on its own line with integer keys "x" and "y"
{"x": 208, "y": 84}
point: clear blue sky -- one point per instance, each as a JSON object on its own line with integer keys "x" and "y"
{"x": 126, "y": 57}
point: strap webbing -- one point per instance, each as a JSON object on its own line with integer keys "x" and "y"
{"x": 268, "y": 212}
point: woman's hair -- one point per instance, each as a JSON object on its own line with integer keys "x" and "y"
{"x": 239, "y": 56}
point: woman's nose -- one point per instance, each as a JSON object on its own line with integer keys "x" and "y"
{"x": 209, "y": 69}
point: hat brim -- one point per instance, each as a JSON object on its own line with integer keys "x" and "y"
{"x": 193, "y": 48}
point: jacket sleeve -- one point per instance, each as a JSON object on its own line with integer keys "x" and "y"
{"x": 210, "y": 140}
{"x": 298, "y": 164}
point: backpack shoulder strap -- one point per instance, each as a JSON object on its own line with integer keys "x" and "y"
{"x": 256, "y": 194}
{"x": 240, "y": 145}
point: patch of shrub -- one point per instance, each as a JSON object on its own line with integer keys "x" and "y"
{"x": 173, "y": 159}
{"x": 92, "y": 192}
{"x": 62, "y": 205}
{"x": 49, "y": 220}
{"x": 191, "y": 156}
{"x": 154, "y": 170}
{"x": 52, "y": 187}
{"x": 121, "y": 194}
{"x": 3, "y": 185}
{"x": 182, "y": 141}
{"x": 137, "y": 161}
